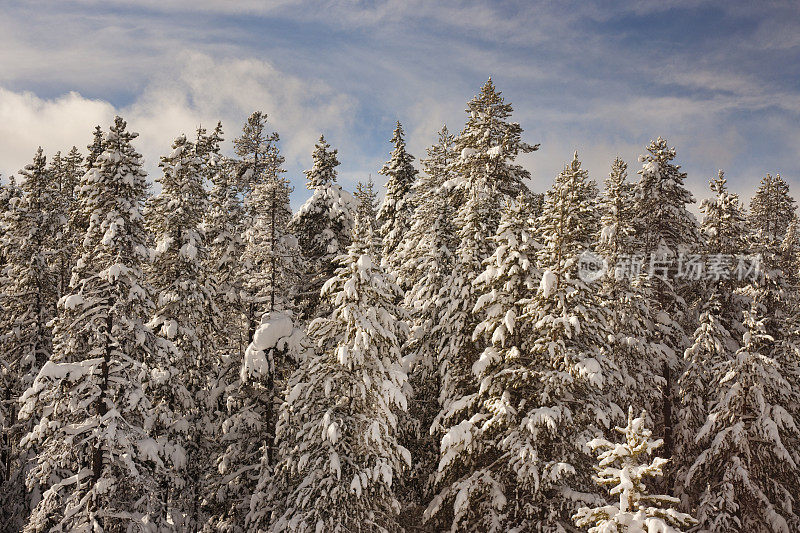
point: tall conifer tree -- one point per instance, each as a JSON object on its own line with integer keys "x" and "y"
{"x": 27, "y": 304}
{"x": 186, "y": 314}
{"x": 338, "y": 428}
{"x": 666, "y": 233}
{"x": 96, "y": 460}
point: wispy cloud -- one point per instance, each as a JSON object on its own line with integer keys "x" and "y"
{"x": 720, "y": 81}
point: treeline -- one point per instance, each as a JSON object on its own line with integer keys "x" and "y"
{"x": 449, "y": 358}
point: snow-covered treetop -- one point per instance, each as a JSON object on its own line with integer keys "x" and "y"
{"x": 395, "y": 212}
{"x": 772, "y": 208}
{"x": 114, "y": 188}
{"x": 367, "y": 203}
{"x": 724, "y": 224}
{"x": 440, "y": 155}
{"x": 66, "y": 171}
{"x": 399, "y": 169}
{"x": 489, "y": 144}
{"x": 176, "y": 213}
{"x": 662, "y": 220}
{"x": 323, "y": 169}
{"x": 96, "y": 148}
{"x": 207, "y": 147}
{"x": 35, "y": 176}
{"x": 569, "y": 221}
{"x": 258, "y": 152}
{"x": 487, "y": 113}
{"x": 616, "y": 206}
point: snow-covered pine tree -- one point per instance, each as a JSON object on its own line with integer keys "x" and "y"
{"x": 339, "y": 454}
{"x": 208, "y": 148}
{"x": 186, "y": 314}
{"x": 323, "y": 226}
{"x": 487, "y": 451}
{"x": 724, "y": 225}
{"x": 713, "y": 345}
{"x": 228, "y": 487}
{"x": 27, "y": 304}
{"x": 772, "y": 209}
{"x": 661, "y": 220}
{"x": 271, "y": 254}
{"x": 272, "y": 266}
{"x": 260, "y": 162}
{"x": 623, "y": 469}
{"x": 8, "y": 192}
{"x": 427, "y": 259}
{"x": 563, "y": 371}
{"x": 396, "y": 208}
{"x": 233, "y": 477}
{"x": 788, "y": 346}
{"x": 665, "y": 230}
{"x": 723, "y": 232}
{"x": 748, "y": 467}
{"x": 223, "y": 225}
{"x": 628, "y": 317}
{"x": 95, "y": 459}
{"x": 616, "y": 209}
{"x": 724, "y": 236}
{"x": 484, "y": 176}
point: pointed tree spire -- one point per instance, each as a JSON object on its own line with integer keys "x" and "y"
{"x": 259, "y": 157}
{"x": 95, "y": 148}
{"x": 772, "y": 209}
{"x": 323, "y": 226}
{"x": 367, "y": 202}
{"x": 323, "y": 169}
{"x": 396, "y": 208}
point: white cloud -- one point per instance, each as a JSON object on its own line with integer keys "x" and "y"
{"x": 27, "y": 121}
{"x": 201, "y": 90}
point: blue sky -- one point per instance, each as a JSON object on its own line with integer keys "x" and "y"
{"x": 719, "y": 80}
